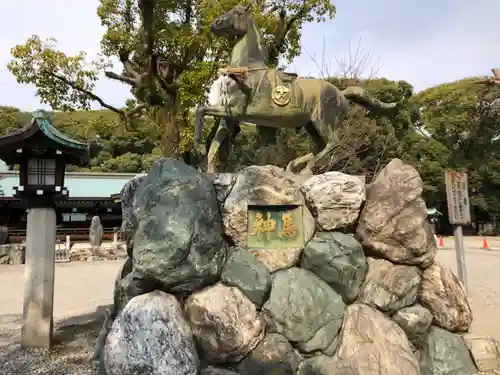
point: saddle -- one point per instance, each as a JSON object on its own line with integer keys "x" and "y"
{"x": 286, "y": 77}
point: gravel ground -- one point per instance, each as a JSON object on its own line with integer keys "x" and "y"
{"x": 82, "y": 293}
{"x": 83, "y": 290}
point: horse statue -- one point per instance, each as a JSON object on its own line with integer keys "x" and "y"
{"x": 264, "y": 96}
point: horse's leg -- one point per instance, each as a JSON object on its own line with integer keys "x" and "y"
{"x": 211, "y": 135}
{"x": 233, "y": 127}
{"x": 200, "y": 113}
{"x": 218, "y": 139}
{"x": 309, "y": 159}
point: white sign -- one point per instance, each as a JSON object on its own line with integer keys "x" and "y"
{"x": 457, "y": 194}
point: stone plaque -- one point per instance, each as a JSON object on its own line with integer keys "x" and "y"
{"x": 275, "y": 227}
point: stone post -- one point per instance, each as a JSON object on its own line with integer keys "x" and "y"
{"x": 39, "y": 279}
{"x": 96, "y": 233}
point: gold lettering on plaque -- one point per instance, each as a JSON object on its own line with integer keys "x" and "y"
{"x": 263, "y": 225}
{"x": 288, "y": 230}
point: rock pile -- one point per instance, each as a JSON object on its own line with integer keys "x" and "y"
{"x": 363, "y": 296}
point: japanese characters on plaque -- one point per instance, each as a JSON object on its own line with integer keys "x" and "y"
{"x": 457, "y": 194}
{"x": 275, "y": 227}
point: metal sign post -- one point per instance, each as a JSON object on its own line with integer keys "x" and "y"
{"x": 457, "y": 194}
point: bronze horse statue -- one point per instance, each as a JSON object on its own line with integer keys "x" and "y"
{"x": 264, "y": 96}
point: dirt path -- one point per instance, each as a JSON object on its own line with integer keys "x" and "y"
{"x": 82, "y": 290}
{"x": 483, "y": 268}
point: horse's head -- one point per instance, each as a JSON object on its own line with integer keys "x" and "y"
{"x": 232, "y": 23}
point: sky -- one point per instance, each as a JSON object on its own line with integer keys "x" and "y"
{"x": 425, "y": 42}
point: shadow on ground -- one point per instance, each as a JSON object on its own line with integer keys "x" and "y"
{"x": 73, "y": 345}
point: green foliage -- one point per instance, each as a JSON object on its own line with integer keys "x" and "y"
{"x": 461, "y": 117}
{"x": 136, "y": 31}
{"x": 464, "y": 120}
{"x": 40, "y": 63}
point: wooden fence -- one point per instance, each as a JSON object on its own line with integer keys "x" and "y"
{"x": 76, "y": 234}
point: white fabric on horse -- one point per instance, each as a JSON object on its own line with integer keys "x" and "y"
{"x": 218, "y": 91}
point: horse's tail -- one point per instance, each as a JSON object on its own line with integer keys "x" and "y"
{"x": 361, "y": 96}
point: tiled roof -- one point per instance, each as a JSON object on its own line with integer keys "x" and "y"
{"x": 40, "y": 130}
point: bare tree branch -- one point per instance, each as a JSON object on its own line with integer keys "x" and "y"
{"x": 136, "y": 110}
{"x": 321, "y": 69}
{"x": 127, "y": 65}
{"x": 353, "y": 65}
{"x": 90, "y": 94}
{"x": 126, "y": 116}
{"x": 276, "y": 48}
{"x": 121, "y": 78}
{"x": 357, "y": 65}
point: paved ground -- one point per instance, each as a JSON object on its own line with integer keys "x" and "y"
{"x": 83, "y": 287}
{"x": 483, "y": 268}
{"x": 79, "y": 287}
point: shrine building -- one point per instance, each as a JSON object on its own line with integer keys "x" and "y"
{"x": 90, "y": 194}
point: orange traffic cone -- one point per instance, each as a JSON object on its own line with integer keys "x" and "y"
{"x": 441, "y": 241}
{"x": 485, "y": 244}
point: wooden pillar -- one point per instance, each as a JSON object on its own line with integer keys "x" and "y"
{"x": 39, "y": 279}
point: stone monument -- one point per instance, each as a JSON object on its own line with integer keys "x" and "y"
{"x": 96, "y": 233}
{"x": 268, "y": 272}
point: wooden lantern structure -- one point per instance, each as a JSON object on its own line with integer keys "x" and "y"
{"x": 41, "y": 152}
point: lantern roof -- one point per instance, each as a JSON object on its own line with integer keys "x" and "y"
{"x": 41, "y": 135}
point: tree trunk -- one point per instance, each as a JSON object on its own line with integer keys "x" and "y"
{"x": 168, "y": 122}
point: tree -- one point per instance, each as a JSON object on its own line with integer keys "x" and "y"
{"x": 462, "y": 123}
{"x": 365, "y": 141}
{"x": 167, "y": 53}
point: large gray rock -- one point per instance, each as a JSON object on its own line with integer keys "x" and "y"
{"x": 273, "y": 356}
{"x": 223, "y": 183}
{"x": 371, "y": 344}
{"x": 217, "y": 371}
{"x": 150, "y": 336}
{"x": 389, "y": 287}
{"x": 338, "y": 259}
{"x": 178, "y": 242}
{"x": 443, "y": 294}
{"x": 120, "y": 300}
{"x": 445, "y": 353}
{"x": 485, "y": 352}
{"x": 129, "y": 222}
{"x": 335, "y": 199}
{"x": 225, "y": 323}
{"x": 266, "y": 185}
{"x": 415, "y": 321}
{"x": 393, "y": 223}
{"x": 246, "y": 272}
{"x": 304, "y": 309}
{"x": 120, "y": 295}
